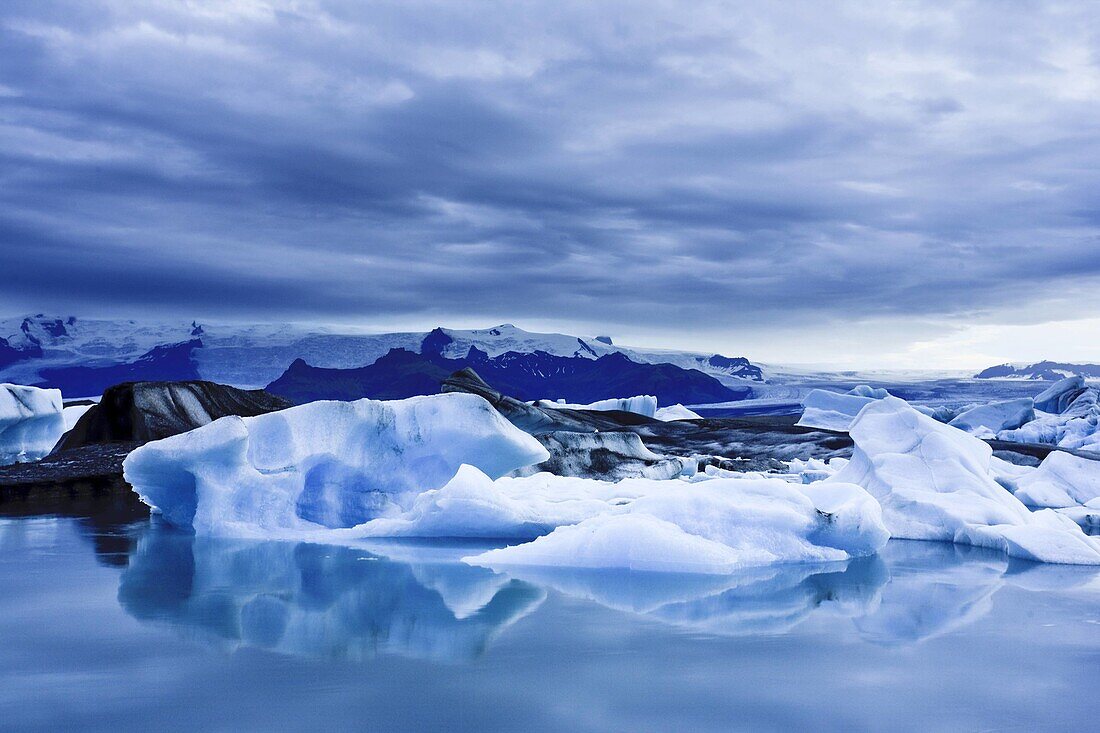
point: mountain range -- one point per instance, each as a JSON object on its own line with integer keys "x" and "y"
{"x": 1045, "y": 370}
{"x": 84, "y": 356}
{"x": 524, "y": 375}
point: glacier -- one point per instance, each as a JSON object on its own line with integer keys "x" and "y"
{"x": 934, "y": 482}
{"x": 31, "y": 422}
{"x": 325, "y": 464}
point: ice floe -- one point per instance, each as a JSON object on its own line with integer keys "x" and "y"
{"x": 31, "y": 422}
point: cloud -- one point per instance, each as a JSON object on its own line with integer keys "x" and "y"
{"x": 654, "y": 169}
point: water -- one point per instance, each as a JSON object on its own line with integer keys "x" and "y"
{"x": 138, "y": 627}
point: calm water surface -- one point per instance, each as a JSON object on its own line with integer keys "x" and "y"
{"x": 136, "y": 627}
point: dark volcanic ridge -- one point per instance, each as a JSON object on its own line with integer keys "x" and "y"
{"x": 526, "y": 376}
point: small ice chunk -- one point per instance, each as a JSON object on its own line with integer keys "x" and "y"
{"x": 676, "y": 412}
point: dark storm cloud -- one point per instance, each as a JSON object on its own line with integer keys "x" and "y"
{"x": 709, "y": 165}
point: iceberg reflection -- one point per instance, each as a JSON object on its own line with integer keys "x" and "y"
{"x": 939, "y": 587}
{"x": 318, "y": 600}
{"x": 761, "y": 600}
{"x": 417, "y": 600}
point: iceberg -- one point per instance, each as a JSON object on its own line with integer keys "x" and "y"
{"x": 640, "y": 404}
{"x": 1061, "y": 480}
{"x": 73, "y": 414}
{"x": 835, "y": 411}
{"x": 934, "y": 482}
{"x": 31, "y": 422}
{"x": 711, "y": 527}
{"x": 324, "y": 464}
{"x": 1057, "y": 397}
{"x": 987, "y": 420}
{"x": 1076, "y": 427}
{"x": 675, "y": 412}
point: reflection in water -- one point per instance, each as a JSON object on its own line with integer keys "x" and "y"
{"x": 758, "y": 600}
{"x": 318, "y": 600}
{"x": 938, "y": 587}
{"x": 418, "y": 601}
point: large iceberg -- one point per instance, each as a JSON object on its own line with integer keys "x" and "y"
{"x": 934, "y": 482}
{"x": 325, "y": 464}
{"x": 31, "y": 422}
{"x": 985, "y": 421}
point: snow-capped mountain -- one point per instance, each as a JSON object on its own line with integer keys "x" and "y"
{"x": 42, "y": 349}
{"x": 1046, "y": 370}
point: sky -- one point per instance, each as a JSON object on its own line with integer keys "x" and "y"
{"x": 897, "y": 184}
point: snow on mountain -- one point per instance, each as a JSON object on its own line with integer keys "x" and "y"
{"x": 252, "y": 356}
{"x": 1046, "y": 370}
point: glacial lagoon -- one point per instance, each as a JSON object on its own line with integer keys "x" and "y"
{"x": 135, "y": 625}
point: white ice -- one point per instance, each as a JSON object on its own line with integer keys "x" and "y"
{"x": 835, "y": 411}
{"x": 31, "y": 422}
{"x": 987, "y": 420}
{"x": 1057, "y": 397}
{"x": 73, "y": 414}
{"x": 714, "y": 526}
{"x": 1076, "y": 426}
{"x": 325, "y": 464}
{"x": 934, "y": 482}
{"x": 640, "y": 404}
{"x": 675, "y": 412}
{"x": 1061, "y": 480}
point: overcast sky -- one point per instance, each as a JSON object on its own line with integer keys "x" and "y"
{"x": 858, "y": 183}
